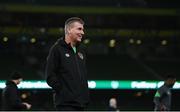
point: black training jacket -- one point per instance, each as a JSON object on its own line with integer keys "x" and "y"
{"x": 66, "y": 74}
{"x": 10, "y": 97}
{"x": 164, "y": 98}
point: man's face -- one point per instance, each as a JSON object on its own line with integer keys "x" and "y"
{"x": 171, "y": 82}
{"x": 76, "y": 31}
{"x": 19, "y": 81}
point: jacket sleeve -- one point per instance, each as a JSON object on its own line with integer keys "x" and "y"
{"x": 158, "y": 96}
{"x": 53, "y": 61}
{"x": 15, "y": 100}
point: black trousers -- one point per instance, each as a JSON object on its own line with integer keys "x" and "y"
{"x": 69, "y": 108}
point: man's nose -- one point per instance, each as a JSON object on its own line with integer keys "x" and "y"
{"x": 82, "y": 32}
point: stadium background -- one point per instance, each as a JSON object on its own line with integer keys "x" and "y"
{"x": 125, "y": 40}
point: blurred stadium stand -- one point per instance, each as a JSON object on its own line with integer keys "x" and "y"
{"x": 118, "y": 3}
{"x": 124, "y": 61}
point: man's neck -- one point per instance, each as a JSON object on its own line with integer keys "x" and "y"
{"x": 69, "y": 40}
{"x": 14, "y": 81}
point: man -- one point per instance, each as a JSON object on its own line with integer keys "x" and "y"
{"x": 113, "y": 105}
{"x": 10, "y": 94}
{"x": 162, "y": 98}
{"x": 65, "y": 69}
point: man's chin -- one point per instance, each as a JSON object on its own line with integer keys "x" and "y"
{"x": 79, "y": 40}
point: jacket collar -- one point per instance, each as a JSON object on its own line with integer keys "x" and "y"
{"x": 63, "y": 43}
{"x": 9, "y": 82}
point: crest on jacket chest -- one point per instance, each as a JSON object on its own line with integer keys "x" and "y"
{"x": 80, "y": 55}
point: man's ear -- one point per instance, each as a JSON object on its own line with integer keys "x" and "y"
{"x": 68, "y": 30}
